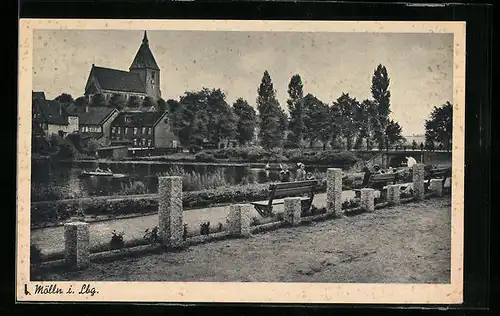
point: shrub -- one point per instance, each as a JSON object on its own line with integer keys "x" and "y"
{"x": 116, "y": 240}
{"x": 35, "y": 255}
{"x": 204, "y": 156}
{"x": 136, "y": 187}
{"x": 152, "y": 236}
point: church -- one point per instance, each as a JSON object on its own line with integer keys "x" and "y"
{"x": 142, "y": 80}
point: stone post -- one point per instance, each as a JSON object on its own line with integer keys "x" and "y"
{"x": 170, "y": 226}
{"x": 368, "y": 200}
{"x": 334, "y": 191}
{"x": 436, "y": 187}
{"x": 393, "y": 194}
{"x": 293, "y": 209}
{"x": 76, "y": 241}
{"x": 418, "y": 181}
{"x": 239, "y": 220}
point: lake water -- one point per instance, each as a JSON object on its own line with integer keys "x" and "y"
{"x": 64, "y": 177}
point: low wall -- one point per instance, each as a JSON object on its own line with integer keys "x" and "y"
{"x": 171, "y": 232}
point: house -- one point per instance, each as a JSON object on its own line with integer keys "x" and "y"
{"x": 52, "y": 118}
{"x": 142, "y": 80}
{"x": 143, "y": 130}
{"x": 95, "y": 122}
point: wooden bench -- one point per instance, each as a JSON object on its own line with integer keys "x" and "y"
{"x": 442, "y": 173}
{"x": 378, "y": 181}
{"x": 277, "y": 192}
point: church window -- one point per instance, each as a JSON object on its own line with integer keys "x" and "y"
{"x": 126, "y": 130}
{"x": 128, "y": 119}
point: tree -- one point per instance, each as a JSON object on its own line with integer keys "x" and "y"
{"x": 439, "y": 127}
{"x": 335, "y": 125}
{"x": 246, "y": 120}
{"x": 162, "y": 106}
{"x": 190, "y": 119}
{"x": 148, "y": 103}
{"x": 133, "y": 102}
{"x": 270, "y": 129}
{"x": 117, "y": 101}
{"x": 98, "y": 100}
{"x": 172, "y": 105}
{"x": 221, "y": 119}
{"x": 81, "y": 103}
{"x": 348, "y": 107}
{"x": 393, "y": 133}
{"x": 316, "y": 114}
{"x": 381, "y": 95}
{"x": 64, "y": 98}
{"x": 295, "y": 108}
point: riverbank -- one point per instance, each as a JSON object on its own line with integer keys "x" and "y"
{"x": 405, "y": 244}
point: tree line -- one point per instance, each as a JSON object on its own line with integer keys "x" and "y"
{"x": 205, "y": 116}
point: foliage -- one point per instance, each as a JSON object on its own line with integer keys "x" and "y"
{"x": 381, "y": 95}
{"x": 439, "y": 127}
{"x": 136, "y": 187}
{"x": 193, "y": 181}
{"x": 205, "y": 228}
{"x": 64, "y": 98}
{"x": 246, "y": 121}
{"x": 148, "y": 103}
{"x": 35, "y": 255}
{"x": 116, "y": 240}
{"x": 315, "y": 117}
{"x": 117, "y": 101}
{"x": 98, "y": 100}
{"x": 348, "y": 107}
{"x": 152, "y": 236}
{"x": 393, "y": 133}
{"x": 63, "y": 148}
{"x": 133, "y": 102}
{"x": 296, "y": 109}
{"x": 162, "y": 106}
{"x": 204, "y": 156}
{"x": 271, "y": 118}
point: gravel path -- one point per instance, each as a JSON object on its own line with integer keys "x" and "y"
{"x": 405, "y": 244}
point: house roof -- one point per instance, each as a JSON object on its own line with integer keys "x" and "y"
{"x": 138, "y": 119}
{"x": 50, "y": 111}
{"x": 117, "y": 80}
{"x": 38, "y": 95}
{"x": 144, "y": 57}
{"x": 96, "y": 115}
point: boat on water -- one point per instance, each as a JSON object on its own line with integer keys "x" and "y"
{"x": 103, "y": 173}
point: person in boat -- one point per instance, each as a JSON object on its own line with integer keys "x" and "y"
{"x": 301, "y": 172}
{"x": 99, "y": 170}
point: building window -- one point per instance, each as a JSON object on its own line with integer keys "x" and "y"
{"x": 143, "y": 142}
{"x": 144, "y": 130}
{"x": 149, "y": 143}
{"x": 113, "y": 130}
{"x": 174, "y": 143}
{"x": 126, "y": 130}
{"x": 119, "y": 130}
{"x": 135, "y": 130}
{"x": 135, "y": 141}
{"x": 149, "y": 130}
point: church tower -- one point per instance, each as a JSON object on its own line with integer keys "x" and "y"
{"x": 145, "y": 66}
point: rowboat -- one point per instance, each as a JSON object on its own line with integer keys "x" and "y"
{"x": 102, "y": 174}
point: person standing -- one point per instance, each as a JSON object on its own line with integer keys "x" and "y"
{"x": 301, "y": 172}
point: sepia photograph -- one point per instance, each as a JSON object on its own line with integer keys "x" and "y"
{"x": 241, "y": 161}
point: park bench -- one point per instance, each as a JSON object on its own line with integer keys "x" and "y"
{"x": 277, "y": 192}
{"x": 442, "y": 173}
{"x": 378, "y": 181}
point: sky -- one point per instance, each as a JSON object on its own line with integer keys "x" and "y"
{"x": 420, "y": 66}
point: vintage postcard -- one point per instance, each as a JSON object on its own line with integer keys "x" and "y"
{"x": 240, "y": 161}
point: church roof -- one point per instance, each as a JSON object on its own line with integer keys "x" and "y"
{"x": 138, "y": 119}
{"x": 118, "y": 80}
{"x": 144, "y": 57}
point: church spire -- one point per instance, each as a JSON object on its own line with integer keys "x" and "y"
{"x": 145, "y": 38}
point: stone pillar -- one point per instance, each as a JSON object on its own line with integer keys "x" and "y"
{"x": 418, "y": 181}
{"x": 368, "y": 200}
{"x": 334, "y": 191}
{"x": 436, "y": 187}
{"x": 293, "y": 209}
{"x": 393, "y": 194}
{"x": 170, "y": 226}
{"x": 76, "y": 241}
{"x": 239, "y": 220}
